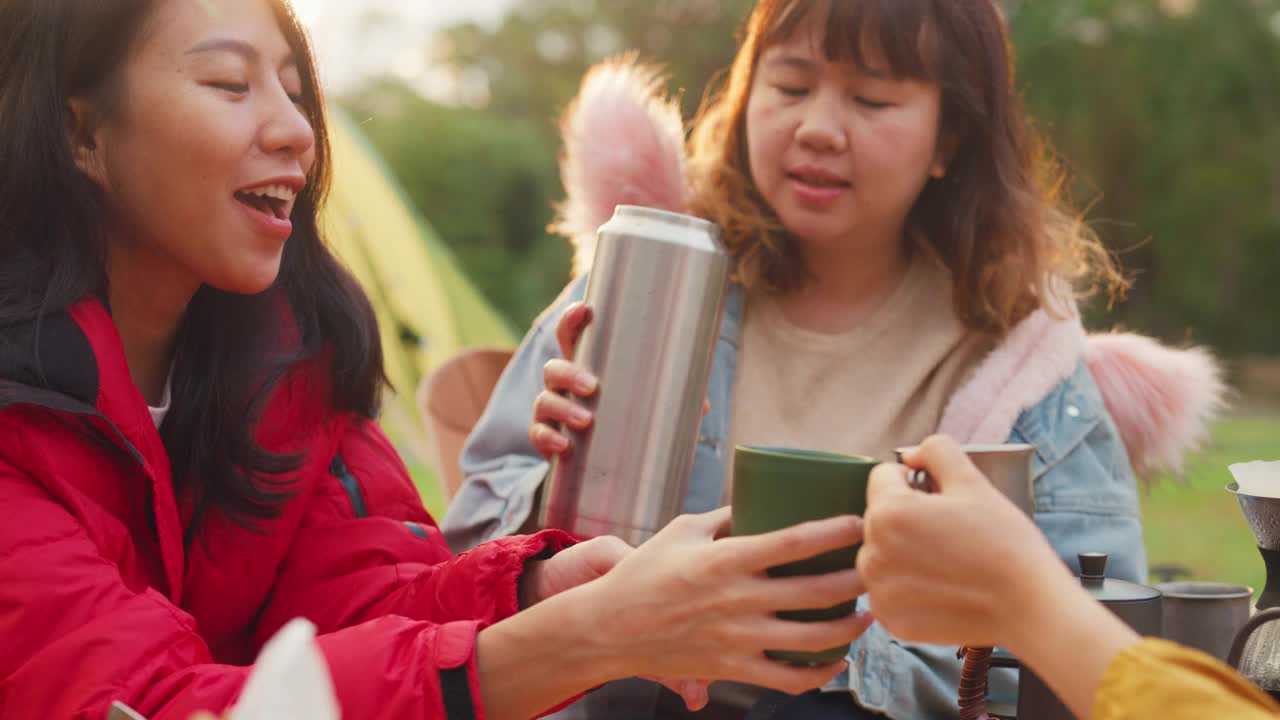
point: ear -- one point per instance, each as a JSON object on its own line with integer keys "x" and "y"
{"x": 82, "y": 134}
{"x": 948, "y": 143}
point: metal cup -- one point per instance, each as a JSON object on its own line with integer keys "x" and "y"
{"x": 1007, "y": 466}
{"x": 1205, "y": 615}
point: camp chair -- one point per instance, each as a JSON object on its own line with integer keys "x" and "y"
{"x": 451, "y": 399}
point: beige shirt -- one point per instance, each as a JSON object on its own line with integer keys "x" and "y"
{"x": 882, "y": 385}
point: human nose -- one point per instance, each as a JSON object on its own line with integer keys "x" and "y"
{"x": 286, "y": 129}
{"x": 822, "y": 124}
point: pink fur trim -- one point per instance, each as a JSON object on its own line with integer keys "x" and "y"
{"x": 624, "y": 145}
{"x": 1039, "y": 354}
{"x": 1161, "y": 399}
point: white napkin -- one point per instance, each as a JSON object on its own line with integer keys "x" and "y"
{"x": 1257, "y": 478}
{"x": 290, "y": 680}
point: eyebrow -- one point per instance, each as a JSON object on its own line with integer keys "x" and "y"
{"x": 236, "y": 47}
{"x": 792, "y": 61}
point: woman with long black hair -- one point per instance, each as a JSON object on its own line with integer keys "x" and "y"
{"x": 188, "y": 457}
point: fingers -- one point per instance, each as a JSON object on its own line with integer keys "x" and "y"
{"x": 712, "y": 524}
{"x": 810, "y": 637}
{"x": 946, "y": 462}
{"x": 887, "y": 480}
{"x": 807, "y": 592}
{"x": 756, "y": 553}
{"x": 693, "y": 692}
{"x": 550, "y": 408}
{"x": 576, "y": 318}
{"x": 562, "y": 376}
{"x": 602, "y": 554}
{"x": 790, "y": 679}
{"x": 797, "y": 637}
{"x": 695, "y": 697}
{"x": 547, "y": 440}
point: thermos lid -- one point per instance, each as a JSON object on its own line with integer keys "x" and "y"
{"x": 639, "y": 212}
{"x": 1093, "y": 568}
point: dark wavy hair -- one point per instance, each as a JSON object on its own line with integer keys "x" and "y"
{"x": 998, "y": 219}
{"x": 228, "y": 351}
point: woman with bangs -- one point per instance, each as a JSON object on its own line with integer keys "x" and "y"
{"x": 903, "y": 267}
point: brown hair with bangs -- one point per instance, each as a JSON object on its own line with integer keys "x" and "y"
{"x": 997, "y": 219}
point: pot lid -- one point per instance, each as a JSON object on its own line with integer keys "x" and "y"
{"x": 1093, "y": 569}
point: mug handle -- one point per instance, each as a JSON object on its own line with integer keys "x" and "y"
{"x": 1262, "y": 617}
{"x": 918, "y": 480}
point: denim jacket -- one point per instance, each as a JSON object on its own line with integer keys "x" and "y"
{"x": 1085, "y": 495}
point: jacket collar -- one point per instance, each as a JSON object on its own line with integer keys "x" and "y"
{"x": 60, "y": 359}
{"x": 73, "y": 363}
{"x": 1035, "y": 357}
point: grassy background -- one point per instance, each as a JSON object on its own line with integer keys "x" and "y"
{"x": 1194, "y": 522}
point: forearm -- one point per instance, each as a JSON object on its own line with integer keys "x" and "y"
{"x": 1070, "y": 641}
{"x": 541, "y": 657}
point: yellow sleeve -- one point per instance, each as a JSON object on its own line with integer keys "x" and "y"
{"x": 1159, "y": 679}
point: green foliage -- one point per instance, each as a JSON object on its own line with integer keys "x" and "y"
{"x": 1172, "y": 128}
{"x": 1166, "y": 111}
{"x": 485, "y": 183}
{"x": 536, "y": 58}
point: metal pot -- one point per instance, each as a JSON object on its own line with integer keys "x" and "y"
{"x": 1255, "y": 652}
{"x": 1139, "y": 606}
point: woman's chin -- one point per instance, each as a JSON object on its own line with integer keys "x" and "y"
{"x": 819, "y": 239}
{"x": 252, "y": 281}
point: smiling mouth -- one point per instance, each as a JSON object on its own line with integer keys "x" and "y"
{"x": 265, "y": 205}
{"x": 274, "y": 200}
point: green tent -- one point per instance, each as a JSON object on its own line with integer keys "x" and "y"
{"x": 427, "y": 309}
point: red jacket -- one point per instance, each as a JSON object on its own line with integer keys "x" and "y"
{"x": 99, "y": 600}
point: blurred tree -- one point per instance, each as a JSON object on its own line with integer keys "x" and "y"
{"x": 486, "y": 184}
{"x": 1167, "y": 112}
{"x": 534, "y": 61}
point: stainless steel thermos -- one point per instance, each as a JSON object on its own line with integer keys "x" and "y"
{"x": 657, "y": 290}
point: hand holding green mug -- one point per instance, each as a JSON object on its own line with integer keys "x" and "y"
{"x": 776, "y": 488}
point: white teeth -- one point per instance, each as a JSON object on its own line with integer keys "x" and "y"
{"x": 274, "y": 192}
